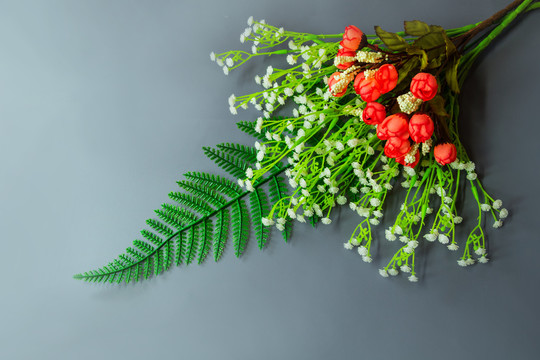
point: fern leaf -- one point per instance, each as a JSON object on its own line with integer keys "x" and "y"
{"x": 180, "y": 214}
{"x": 153, "y": 238}
{"x": 160, "y": 227}
{"x": 240, "y": 226}
{"x": 192, "y": 241}
{"x": 168, "y": 256}
{"x": 204, "y": 193}
{"x": 278, "y": 191}
{"x": 218, "y": 183}
{"x": 191, "y": 202}
{"x": 205, "y": 240}
{"x": 239, "y": 151}
{"x": 259, "y": 209}
{"x": 221, "y": 233}
{"x": 249, "y": 128}
{"x": 234, "y": 166}
{"x": 180, "y": 248}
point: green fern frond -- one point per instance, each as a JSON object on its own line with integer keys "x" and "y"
{"x": 259, "y": 209}
{"x": 249, "y": 128}
{"x": 221, "y": 233}
{"x": 218, "y": 183}
{"x": 234, "y": 166}
{"x": 203, "y": 192}
{"x": 278, "y": 191}
{"x": 191, "y": 202}
{"x": 240, "y": 226}
{"x": 246, "y": 153}
{"x": 211, "y": 209}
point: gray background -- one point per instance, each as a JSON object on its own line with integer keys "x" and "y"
{"x": 104, "y": 104}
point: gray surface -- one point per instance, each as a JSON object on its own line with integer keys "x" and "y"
{"x": 104, "y": 104}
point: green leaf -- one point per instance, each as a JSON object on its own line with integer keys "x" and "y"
{"x": 240, "y": 226}
{"x": 430, "y": 41}
{"x": 221, "y": 233}
{"x": 416, "y": 28}
{"x": 410, "y": 66}
{"x": 451, "y": 74}
{"x": 392, "y": 41}
{"x": 437, "y": 106}
{"x": 259, "y": 209}
{"x": 278, "y": 191}
{"x": 205, "y": 240}
{"x": 422, "y": 56}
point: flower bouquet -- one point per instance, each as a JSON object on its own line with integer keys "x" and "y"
{"x": 352, "y": 118}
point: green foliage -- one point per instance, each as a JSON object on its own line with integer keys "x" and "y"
{"x": 207, "y": 210}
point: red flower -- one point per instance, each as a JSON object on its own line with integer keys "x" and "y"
{"x": 345, "y": 52}
{"x": 401, "y": 160}
{"x": 374, "y": 113}
{"x": 386, "y": 77}
{"x": 445, "y": 153}
{"x": 353, "y": 38}
{"x": 424, "y": 86}
{"x": 394, "y": 126}
{"x": 396, "y": 147}
{"x": 368, "y": 89}
{"x": 420, "y": 127}
{"x": 332, "y": 81}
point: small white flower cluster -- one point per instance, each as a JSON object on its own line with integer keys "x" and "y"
{"x": 408, "y": 103}
{"x": 362, "y": 250}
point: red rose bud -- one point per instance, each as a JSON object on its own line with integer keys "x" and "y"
{"x": 424, "y": 86}
{"x": 394, "y": 126}
{"x": 445, "y": 153}
{"x": 401, "y": 160}
{"x": 420, "y": 127}
{"x": 344, "y": 53}
{"x": 368, "y": 89}
{"x": 374, "y": 113}
{"x": 353, "y": 38}
{"x": 387, "y": 77}
{"x": 337, "y": 86}
{"x": 396, "y": 147}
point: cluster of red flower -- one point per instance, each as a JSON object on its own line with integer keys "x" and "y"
{"x": 378, "y": 77}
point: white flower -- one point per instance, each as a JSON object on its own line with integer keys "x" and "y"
{"x": 485, "y": 207}
{"x": 241, "y": 182}
{"x": 254, "y": 49}
{"x": 291, "y": 213}
{"x": 374, "y": 201}
{"x": 355, "y": 241}
{"x": 303, "y": 183}
{"x": 300, "y": 218}
{"x": 393, "y": 271}
{"x": 348, "y": 246}
{"x": 226, "y": 70}
{"x": 308, "y": 212}
{"x": 389, "y": 236}
{"x": 480, "y": 251}
{"x": 462, "y": 262}
{"x": 213, "y": 56}
{"x": 374, "y": 221}
{"x": 362, "y": 250}
{"x": 353, "y": 206}
{"x": 413, "y": 278}
{"x": 398, "y": 230}
{"x": 250, "y": 20}
{"x": 497, "y": 204}
{"x": 469, "y": 261}
{"x": 430, "y": 237}
{"x": 267, "y": 221}
{"x": 249, "y": 186}
{"x": 341, "y": 200}
{"x": 497, "y": 224}
{"x": 403, "y": 239}
{"x": 413, "y": 244}
{"x": 326, "y": 221}
{"x": 229, "y": 62}
{"x": 378, "y": 213}
{"x": 443, "y": 239}
{"x": 470, "y": 166}
{"x": 483, "y": 259}
{"x": 503, "y": 213}
{"x": 233, "y": 111}
{"x": 405, "y": 268}
{"x": 281, "y": 221}
{"x": 367, "y": 259}
{"x": 472, "y": 176}
{"x": 293, "y": 183}
{"x": 249, "y": 173}
{"x": 458, "y": 220}
{"x": 258, "y": 80}
{"x": 280, "y": 227}
{"x": 383, "y": 272}
{"x": 453, "y": 246}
